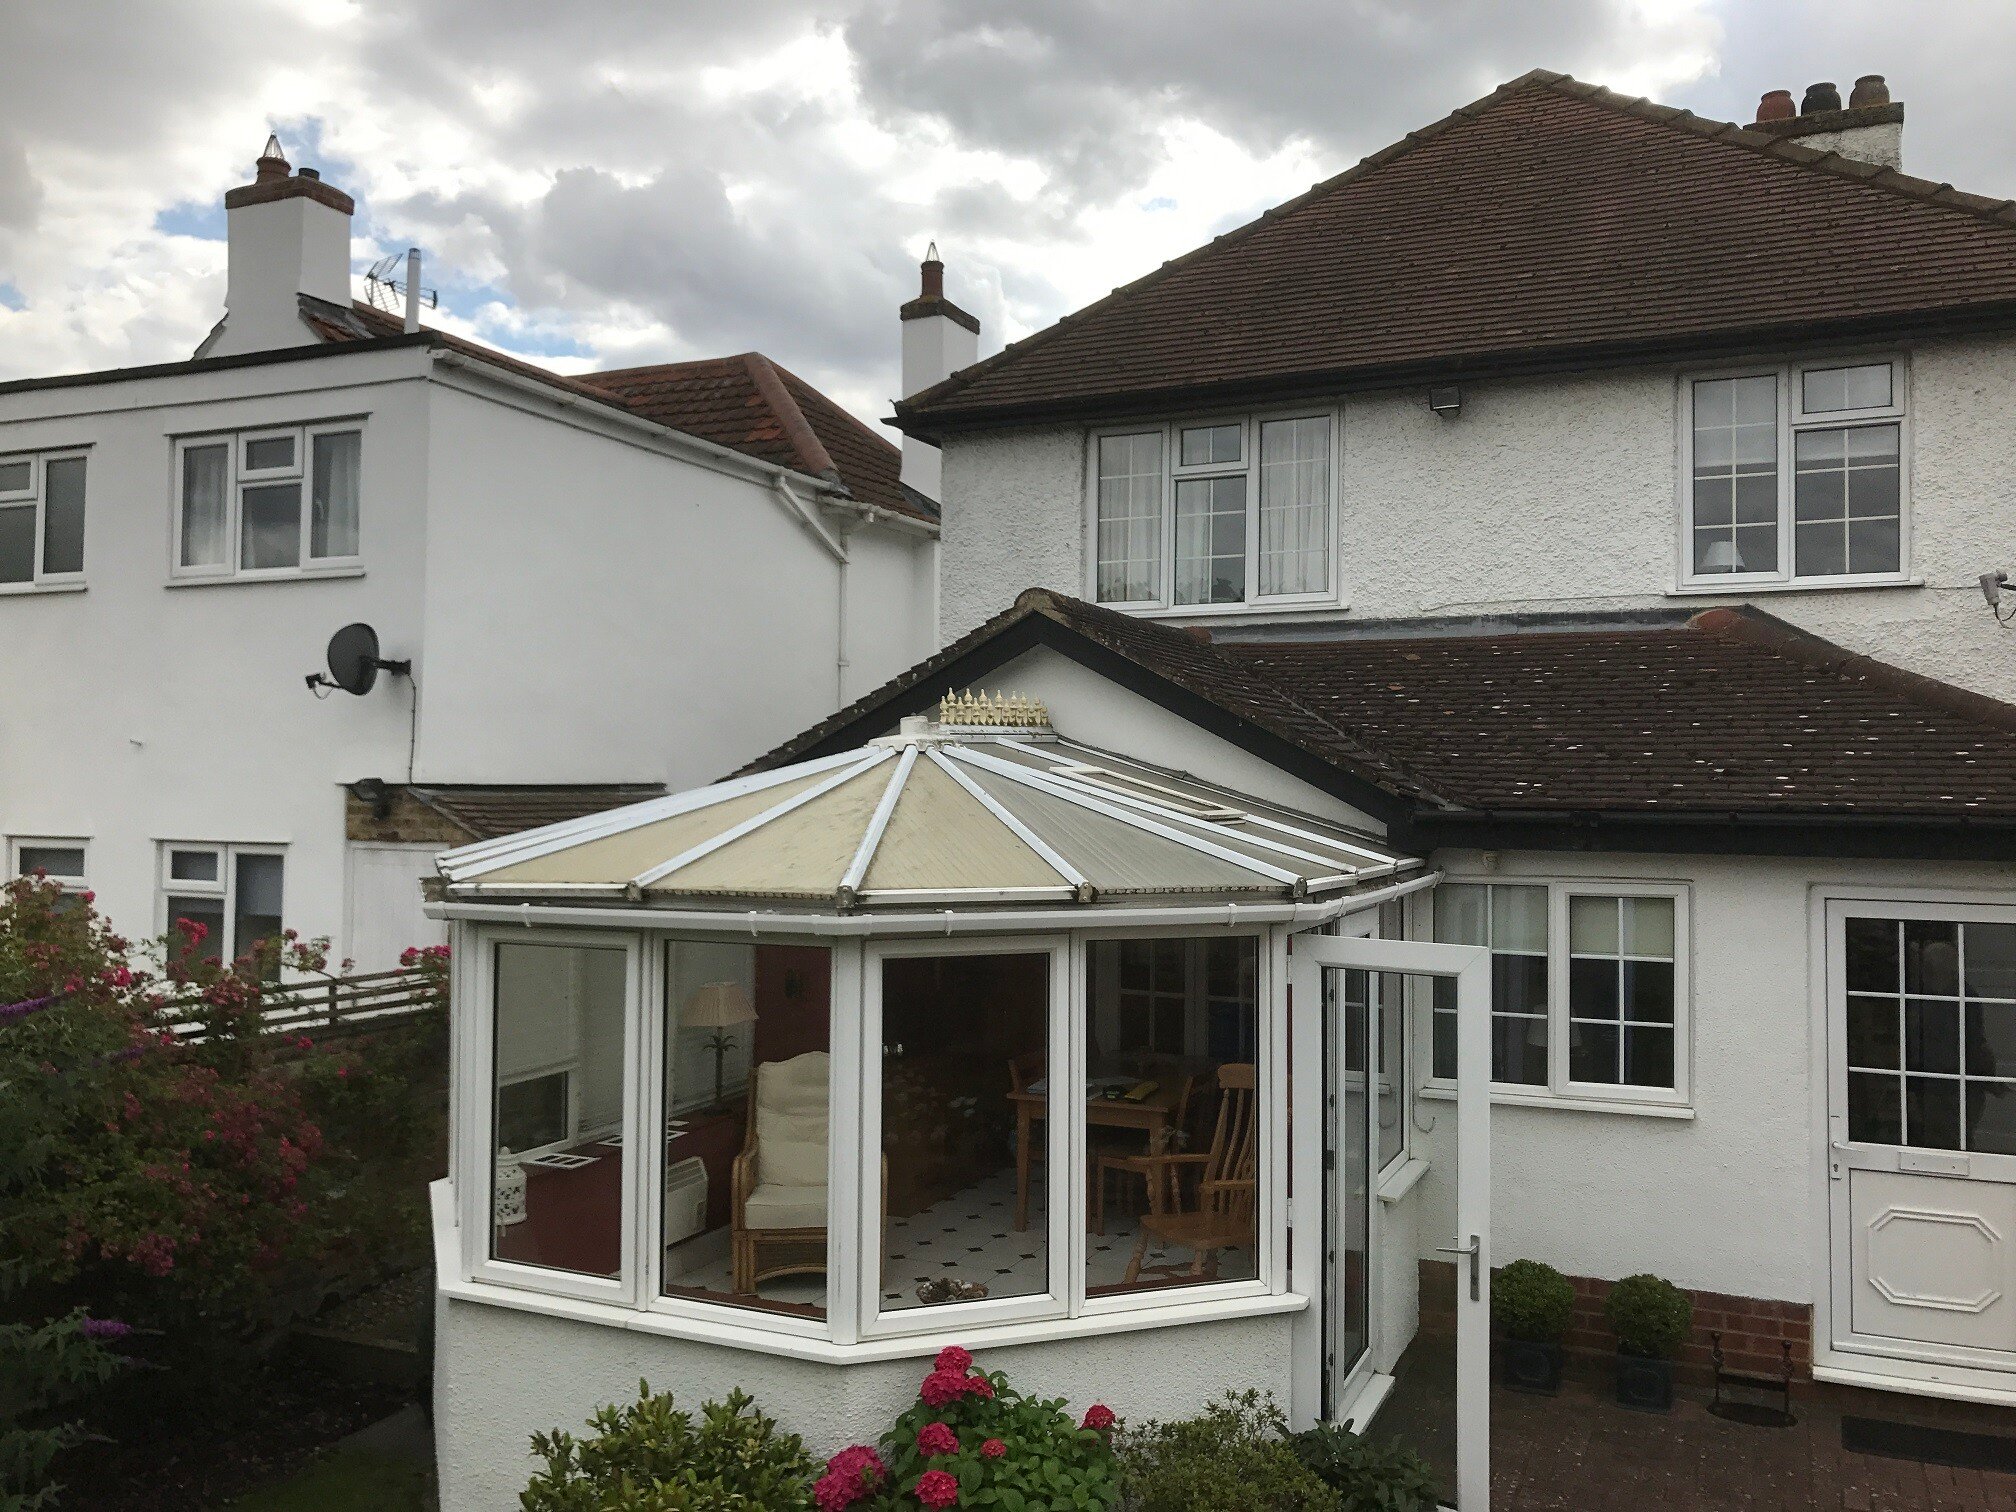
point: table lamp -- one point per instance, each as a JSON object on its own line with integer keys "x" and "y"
{"x": 719, "y": 1006}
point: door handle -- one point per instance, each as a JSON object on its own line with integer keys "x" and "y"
{"x": 1475, "y": 1250}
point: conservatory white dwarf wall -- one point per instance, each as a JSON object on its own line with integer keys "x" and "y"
{"x": 971, "y": 1035}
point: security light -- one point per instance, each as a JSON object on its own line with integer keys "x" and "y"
{"x": 1446, "y": 401}
{"x": 1992, "y": 584}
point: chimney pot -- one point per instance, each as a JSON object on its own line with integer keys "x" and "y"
{"x": 933, "y": 286}
{"x": 1820, "y": 97}
{"x": 1776, "y": 106}
{"x": 272, "y": 162}
{"x": 309, "y": 173}
{"x": 1869, "y": 90}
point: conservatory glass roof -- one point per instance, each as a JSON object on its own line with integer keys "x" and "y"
{"x": 940, "y": 815}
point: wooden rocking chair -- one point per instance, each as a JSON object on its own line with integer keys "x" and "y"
{"x": 1220, "y": 1214}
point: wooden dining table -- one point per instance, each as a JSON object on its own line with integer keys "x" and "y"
{"x": 1151, "y": 1114}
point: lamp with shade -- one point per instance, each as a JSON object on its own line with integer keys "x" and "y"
{"x": 719, "y": 1006}
{"x": 1722, "y": 556}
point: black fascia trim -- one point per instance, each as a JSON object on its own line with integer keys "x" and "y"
{"x": 304, "y": 353}
{"x": 1859, "y": 836}
{"x": 1040, "y": 631}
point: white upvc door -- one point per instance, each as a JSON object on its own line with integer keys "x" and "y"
{"x": 1440, "y": 1399}
{"x": 1921, "y": 1159}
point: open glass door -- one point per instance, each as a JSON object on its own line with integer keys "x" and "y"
{"x": 1436, "y": 1399}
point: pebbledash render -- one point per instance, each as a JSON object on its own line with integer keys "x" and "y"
{"x": 1510, "y": 762}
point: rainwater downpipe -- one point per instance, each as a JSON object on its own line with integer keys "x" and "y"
{"x": 835, "y": 541}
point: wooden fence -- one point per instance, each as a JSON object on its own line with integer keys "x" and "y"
{"x": 341, "y": 1005}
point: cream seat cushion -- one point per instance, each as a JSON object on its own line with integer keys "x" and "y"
{"x": 791, "y": 1128}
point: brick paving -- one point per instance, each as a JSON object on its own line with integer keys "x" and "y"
{"x": 1580, "y": 1452}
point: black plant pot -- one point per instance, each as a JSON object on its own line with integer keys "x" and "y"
{"x": 1644, "y": 1382}
{"x": 1530, "y": 1365}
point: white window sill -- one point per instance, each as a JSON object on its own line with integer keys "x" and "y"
{"x": 25, "y": 590}
{"x": 1403, "y": 1179}
{"x": 1206, "y": 611}
{"x": 247, "y": 580}
{"x": 1742, "y": 588}
{"x": 1561, "y": 1102}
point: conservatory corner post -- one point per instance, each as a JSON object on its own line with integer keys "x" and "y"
{"x": 849, "y": 1185}
{"x": 1299, "y": 986}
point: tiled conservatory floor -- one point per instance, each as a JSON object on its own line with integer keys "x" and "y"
{"x": 970, "y": 1236}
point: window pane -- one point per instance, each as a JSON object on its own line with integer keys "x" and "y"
{"x": 209, "y": 912}
{"x": 1593, "y": 989}
{"x": 1991, "y": 1117}
{"x": 1519, "y": 984}
{"x": 1932, "y": 1112}
{"x": 65, "y": 863}
{"x": 1462, "y": 914}
{"x": 205, "y": 515}
{"x": 1736, "y": 474}
{"x": 1932, "y": 1035}
{"x": 1169, "y": 1131}
{"x": 1443, "y": 1029}
{"x": 965, "y": 1127}
{"x": 194, "y": 866}
{"x": 272, "y": 526}
{"x": 17, "y": 476}
{"x": 269, "y": 452}
{"x": 1593, "y": 1053}
{"x": 1295, "y": 506}
{"x": 1391, "y": 992}
{"x": 1519, "y": 1050}
{"x": 1648, "y": 1056}
{"x": 1519, "y": 918}
{"x": 332, "y": 521}
{"x": 1849, "y": 476}
{"x": 1875, "y": 1112}
{"x": 1648, "y": 927}
{"x": 1872, "y": 955}
{"x": 1849, "y": 388}
{"x": 1872, "y": 1033}
{"x": 1821, "y": 550}
{"x": 1592, "y": 925}
{"x": 1991, "y": 960}
{"x": 745, "y": 1216}
{"x": 558, "y": 1080}
{"x": 1204, "y": 445}
{"x": 257, "y": 905}
{"x": 1648, "y": 991}
{"x": 63, "y": 515}
{"x": 1210, "y": 540}
{"x": 17, "y": 544}
{"x": 1130, "y": 518}
{"x": 1931, "y": 958}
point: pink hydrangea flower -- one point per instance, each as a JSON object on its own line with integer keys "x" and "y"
{"x": 1099, "y": 1417}
{"x": 935, "y": 1488}
{"x": 850, "y": 1475}
{"x": 934, "y": 1439}
{"x": 941, "y": 1388}
{"x": 993, "y": 1449}
{"x": 953, "y": 1359}
{"x": 980, "y": 1386}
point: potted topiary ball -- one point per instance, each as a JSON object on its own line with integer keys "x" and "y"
{"x": 1533, "y": 1305}
{"x": 1652, "y": 1318}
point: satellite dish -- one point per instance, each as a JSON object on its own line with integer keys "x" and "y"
{"x": 354, "y": 662}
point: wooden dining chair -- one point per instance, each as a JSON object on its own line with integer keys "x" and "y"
{"x": 1115, "y": 1157}
{"x": 1218, "y": 1212}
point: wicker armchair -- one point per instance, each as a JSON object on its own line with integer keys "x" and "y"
{"x": 778, "y": 1213}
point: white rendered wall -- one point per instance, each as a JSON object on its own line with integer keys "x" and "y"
{"x": 1551, "y": 495}
{"x": 280, "y": 250}
{"x": 1721, "y": 1202}
{"x": 501, "y": 1375}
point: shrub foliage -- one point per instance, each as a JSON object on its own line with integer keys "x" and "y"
{"x": 1650, "y": 1316}
{"x": 1532, "y": 1301}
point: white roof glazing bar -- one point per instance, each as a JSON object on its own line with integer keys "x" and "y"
{"x": 1080, "y": 883}
{"x": 878, "y": 822}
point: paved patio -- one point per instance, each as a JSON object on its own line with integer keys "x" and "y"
{"x": 1580, "y": 1452}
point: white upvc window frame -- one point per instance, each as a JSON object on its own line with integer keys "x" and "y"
{"x": 79, "y": 883}
{"x": 238, "y": 477}
{"x": 36, "y": 496}
{"x": 224, "y": 889}
{"x": 1793, "y": 418}
{"x": 1560, "y": 1089}
{"x": 1251, "y": 426}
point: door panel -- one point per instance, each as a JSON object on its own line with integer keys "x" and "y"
{"x": 1933, "y": 1257}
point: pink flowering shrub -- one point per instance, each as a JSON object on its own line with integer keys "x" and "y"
{"x": 972, "y": 1440}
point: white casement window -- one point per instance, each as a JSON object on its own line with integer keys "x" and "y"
{"x": 268, "y": 503}
{"x": 1797, "y": 474}
{"x": 236, "y": 892}
{"x": 1217, "y": 512}
{"x": 58, "y": 861}
{"x": 41, "y": 520}
{"x": 1588, "y": 986}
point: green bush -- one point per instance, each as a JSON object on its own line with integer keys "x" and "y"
{"x": 1235, "y": 1457}
{"x": 649, "y": 1457}
{"x": 1367, "y": 1477}
{"x": 1532, "y": 1301}
{"x": 1650, "y": 1316}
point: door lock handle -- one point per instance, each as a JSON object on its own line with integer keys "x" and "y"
{"x": 1475, "y": 1250}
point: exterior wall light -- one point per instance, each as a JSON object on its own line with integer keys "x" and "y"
{"x": 1446, "y": 401}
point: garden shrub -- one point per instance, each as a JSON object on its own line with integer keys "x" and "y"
{"x": 1650, "y": 1316}
{"x": 1234, "y": 1457}
{"x": 972, "y": 1440}
{"x": 648, "y": 1456}
{"x": 43, "y": 1368}
{"x": 1367, "y": 1476}
{"x": 1532, "y": 1301}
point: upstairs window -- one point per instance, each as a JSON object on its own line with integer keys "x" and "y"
{"x": 41, "y": 520}
{"x": 58, "y": 861}
{"x": 233, "y": 891}
{"x": 1218, "y": 512}
{"x": 1797, "y": 475}
{"x": 268, "y": 503}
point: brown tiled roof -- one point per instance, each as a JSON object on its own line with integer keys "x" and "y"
{"x": 486, "y": 811}
{"x": 1548, "y": 223}
{"x": 745, "y": 403}
{"x": 1726, "y": 712}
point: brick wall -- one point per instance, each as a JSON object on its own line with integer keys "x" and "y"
{"x": 1754, "y": 1330}
{"x": 407, "y": 821}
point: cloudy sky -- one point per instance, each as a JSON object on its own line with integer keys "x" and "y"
{"x": 609, "y": 182}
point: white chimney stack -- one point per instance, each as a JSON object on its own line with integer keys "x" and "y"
{"x": 939, "y": 338}
{"x": 289, "y": 235}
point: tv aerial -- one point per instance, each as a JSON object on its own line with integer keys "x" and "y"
{"x": 388, "y": 281}
{"x": 354, "y": 663}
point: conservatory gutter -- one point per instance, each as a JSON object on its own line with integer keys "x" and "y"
{"x": 941, "y": 921}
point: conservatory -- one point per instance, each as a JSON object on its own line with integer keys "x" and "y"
{"x": 971, "y": 1034}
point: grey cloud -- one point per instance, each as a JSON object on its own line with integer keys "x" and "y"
{"x": 20, "y": 190}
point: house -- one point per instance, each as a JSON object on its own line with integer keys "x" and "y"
{"x": 592, "y": 586}
{"x": 1515, "y": 765}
